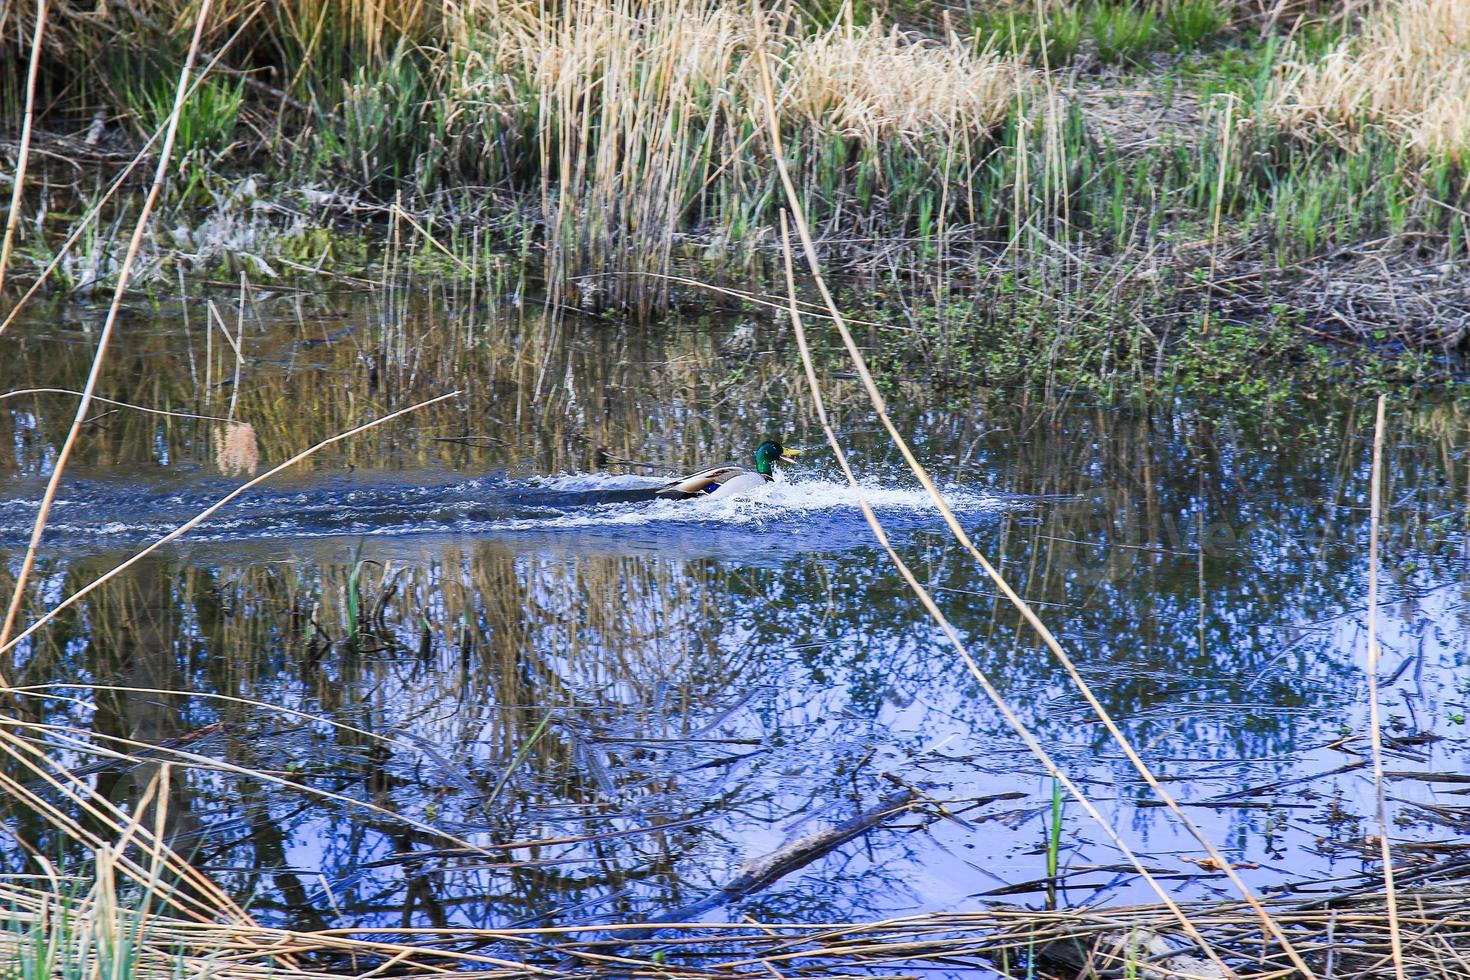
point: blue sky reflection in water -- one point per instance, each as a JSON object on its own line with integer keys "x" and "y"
{"x": 736, "y": 673}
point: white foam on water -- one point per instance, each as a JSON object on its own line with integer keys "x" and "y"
{"x": 583, "y": 482}
{"x": 112, "y": 527}
{"x": 779, "y": 501}
{"x": 468, "y": 507}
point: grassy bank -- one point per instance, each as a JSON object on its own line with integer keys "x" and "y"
{"x": 1108, "y": 179}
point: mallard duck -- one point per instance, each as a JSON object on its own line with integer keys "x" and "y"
{"x": 730, "y": 479}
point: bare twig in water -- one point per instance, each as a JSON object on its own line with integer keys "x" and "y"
{"x": 759, "y": 872}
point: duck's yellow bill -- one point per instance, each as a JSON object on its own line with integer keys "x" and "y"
{"x": 789, "y": 453}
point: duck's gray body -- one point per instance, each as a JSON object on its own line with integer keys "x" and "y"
{"x": 716, "y": 483}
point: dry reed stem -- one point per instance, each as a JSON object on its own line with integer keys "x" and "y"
{"x": 202, "y": 516}
{"x": 85, "y": 404}
{"x": 1374, "y": 721}
{"x": 108, "y": 814}
{"x": 880, "y": 534}
{"x": 23, "y": 157}
{"x": 112, "y": 401}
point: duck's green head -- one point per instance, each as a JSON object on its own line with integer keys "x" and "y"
{"x": 770, "y": 452}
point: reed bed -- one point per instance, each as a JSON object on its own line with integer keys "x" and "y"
{"x": 290, "y": 27}
{"x": 647, "y": 118}
{"x": 97, "y": 924}
{"x": 607, "y": 145}
{"x": 1405, "y": 72}
{"x": 610, "y": 131}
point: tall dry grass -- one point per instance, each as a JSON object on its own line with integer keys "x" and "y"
{"x": 623, "y": 133}
{"x": 636, "y": 121}
{"x": 98, "y": 928}
{"x": 289, "y": 25}
{"x": 1406, "y": 71}
{"x": 874, "y": 83}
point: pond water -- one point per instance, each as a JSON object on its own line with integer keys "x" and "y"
{"x": 593, "y": 711}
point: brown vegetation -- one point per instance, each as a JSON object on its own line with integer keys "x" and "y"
{"x": 1407, "y": 71}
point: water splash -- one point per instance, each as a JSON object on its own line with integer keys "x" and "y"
{"x": 787, "y": 515}
{"x": 776, "y": 503}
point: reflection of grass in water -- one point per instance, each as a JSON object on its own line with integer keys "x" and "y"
{"x": 575, "y": 637}
{"x": 544, "y": 394}
{"x": 576, "y": 613}
{"x": 539, "y": 640}
{"x": 652, "y": 665}
{"x": 550, "y": 395}
{"x": 551, "y": 641}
